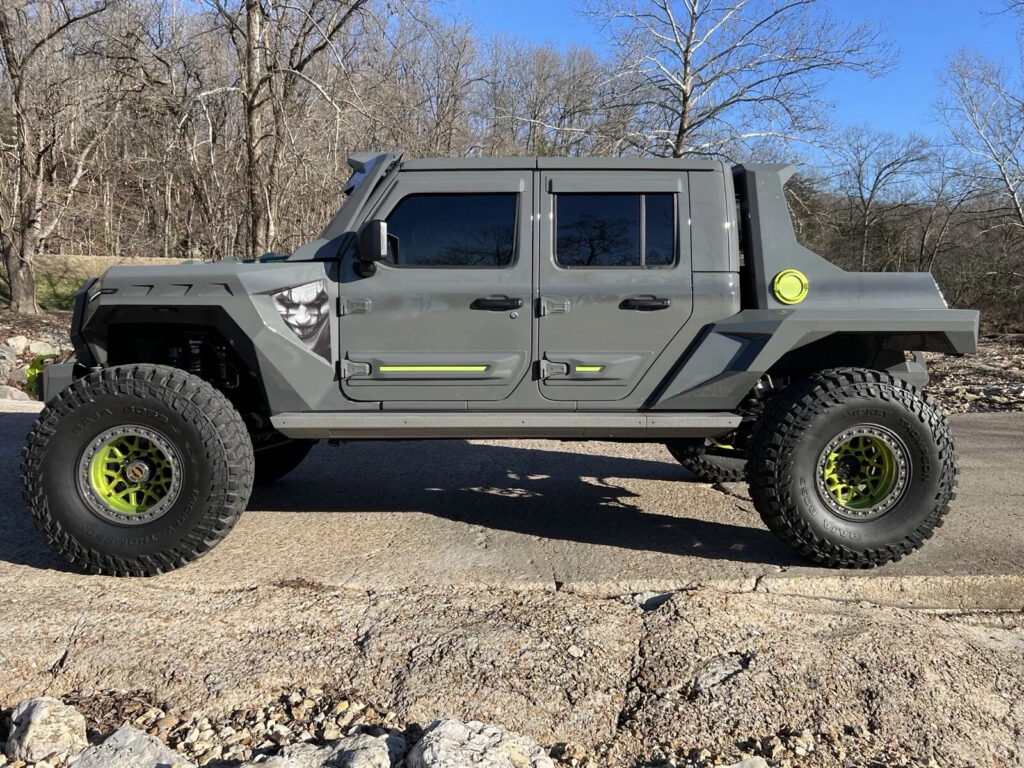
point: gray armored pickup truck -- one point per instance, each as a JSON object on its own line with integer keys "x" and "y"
{"x": 582, "y": 299}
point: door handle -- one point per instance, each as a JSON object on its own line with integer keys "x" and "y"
{"x": 646, "y": 303}
{"x": 496, "y": 303}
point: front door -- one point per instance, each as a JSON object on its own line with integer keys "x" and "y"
{"x": 614, "y": 279}
{"x": 447, "y": 316}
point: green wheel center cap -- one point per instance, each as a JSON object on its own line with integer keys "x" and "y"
{"x": 137, "y": 472}
{"x": 129, "y": 475}
{"x": 863, "y": 472}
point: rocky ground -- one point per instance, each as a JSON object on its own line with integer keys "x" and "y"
{"x": 991, "y": 380}
{"x": 699, "y": 678}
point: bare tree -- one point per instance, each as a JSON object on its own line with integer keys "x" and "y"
{"x": 710, "y": 76}
{"x": 877, "y": 173}
{"x": 983, "y": 109}
{"x": 275, "y": 43}
{"x": 51, "y": 131}
{"x": 947, "y": 186}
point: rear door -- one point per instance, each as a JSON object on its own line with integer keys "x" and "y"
{"x": 614, "y": 278}
{"x": 447, "y": 317}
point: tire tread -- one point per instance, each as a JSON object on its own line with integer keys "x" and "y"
{"x": 197, "y": 402}
{"x": 785, "y": 418}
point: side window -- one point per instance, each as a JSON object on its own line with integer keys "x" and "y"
{"x": 453, "y": 231}
{"x": 615, "y": 230}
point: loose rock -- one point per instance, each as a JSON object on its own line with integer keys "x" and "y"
{"x": 12, "y": 393}
{"x": 45, "y": 727}
{"x": 42, "y": 348}
{"x": 358, "y": 751}
{"x": 753, "y": 762}
{"x": 129, "y": 748}
{"x": 451, "y": 743}
{"x": 17, "y": 343}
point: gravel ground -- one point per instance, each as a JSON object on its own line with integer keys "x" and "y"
{"x": 706, "y": 678}
{"x": 991, "y": 380}
{"x": 51, "y": 327}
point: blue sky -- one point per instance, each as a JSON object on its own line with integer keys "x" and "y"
{"x": 927, "y": 33}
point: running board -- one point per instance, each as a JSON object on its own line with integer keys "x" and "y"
{"x": 582, "y": 426}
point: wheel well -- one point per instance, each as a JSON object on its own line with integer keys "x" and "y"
{"x": 207, "y": 351}
{"x": 859, "y": 350}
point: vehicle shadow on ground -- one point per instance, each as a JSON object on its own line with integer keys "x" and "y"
{"x": 20, "y": 542}
{"x": 548, "y": 493}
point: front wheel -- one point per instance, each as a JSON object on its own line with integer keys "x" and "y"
{"x": 852, "y": 467}
{"x": 137, "y": 470}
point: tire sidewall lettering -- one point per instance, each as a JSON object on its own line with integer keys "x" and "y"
{"x": 60, "y": 465}
{"x": 915, "y": 505}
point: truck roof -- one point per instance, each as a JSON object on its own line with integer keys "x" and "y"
{"x": 562, "y": 163}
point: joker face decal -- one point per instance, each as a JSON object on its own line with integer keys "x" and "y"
{"x": 304, "y": 310}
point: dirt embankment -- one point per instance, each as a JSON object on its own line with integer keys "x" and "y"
{"x": 704, "y": 679}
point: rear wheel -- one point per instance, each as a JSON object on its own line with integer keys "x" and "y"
{"x": 714, "y": 460}
{"x": 137, "y": 470}
{"x": 275, "y": 461}
{"x": 852, "y": 467}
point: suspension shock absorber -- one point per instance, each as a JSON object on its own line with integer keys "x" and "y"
{"x": 195, "y": 357}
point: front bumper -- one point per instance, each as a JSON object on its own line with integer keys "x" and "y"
{"x": 56, "y": 377}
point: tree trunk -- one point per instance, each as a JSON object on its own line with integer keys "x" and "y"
{"x": 20, "y": 254}
{"x": 253, "y": 106}
{"x": 20, "y": 277}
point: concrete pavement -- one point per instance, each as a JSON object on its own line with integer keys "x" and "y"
{"x": 590, "y": 518}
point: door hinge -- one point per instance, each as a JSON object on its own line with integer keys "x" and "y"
{"x": 350, "y": 368}
{"x": 353, "y": 306}
{"x": 554, "y": 305}
{"x": 549, "y": 369}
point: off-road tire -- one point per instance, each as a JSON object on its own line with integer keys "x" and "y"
{"x": 708, "y": 467}
{"x": 276, "y": 461}
{"x": 210, "y": 441}
{"x": 792, "y": 435}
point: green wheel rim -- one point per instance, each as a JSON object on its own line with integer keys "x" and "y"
{"x": 863, "y": 472}
{"x": 129, "y": 474}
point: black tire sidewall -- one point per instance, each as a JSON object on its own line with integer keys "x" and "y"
{"x": 918, "y": 501}
{"x": 277, "y": 461}
{"x": 60, "y": 464}
{"x": 707, "y": 467}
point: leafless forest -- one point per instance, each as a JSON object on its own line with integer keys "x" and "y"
{"x": 219, "y": 128}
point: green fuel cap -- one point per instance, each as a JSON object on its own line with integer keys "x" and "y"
{"x": 790, "y": 286}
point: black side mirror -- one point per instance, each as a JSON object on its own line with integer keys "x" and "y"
{"x": 373, "y": 245}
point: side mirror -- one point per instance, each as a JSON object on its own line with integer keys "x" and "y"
{"x": 373, "y": 241}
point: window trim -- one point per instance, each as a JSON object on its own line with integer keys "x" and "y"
{"x": 642, "y": 203}
{"x": 515, "y": 230}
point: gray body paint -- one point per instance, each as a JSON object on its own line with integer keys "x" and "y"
{"x": 330, "y": 347}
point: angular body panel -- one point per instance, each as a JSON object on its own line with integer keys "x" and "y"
{"x": 523, "y": 285}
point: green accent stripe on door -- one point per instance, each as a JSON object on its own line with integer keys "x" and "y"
{"x": 588, "y": 368}
{"x": 433, "y": 368}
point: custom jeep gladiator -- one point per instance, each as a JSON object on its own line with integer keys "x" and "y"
{"x": 583, "y": 299}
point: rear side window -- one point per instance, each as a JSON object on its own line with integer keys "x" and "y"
{"x": 615, "y": 230}
{"x": 453, "y": 231}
